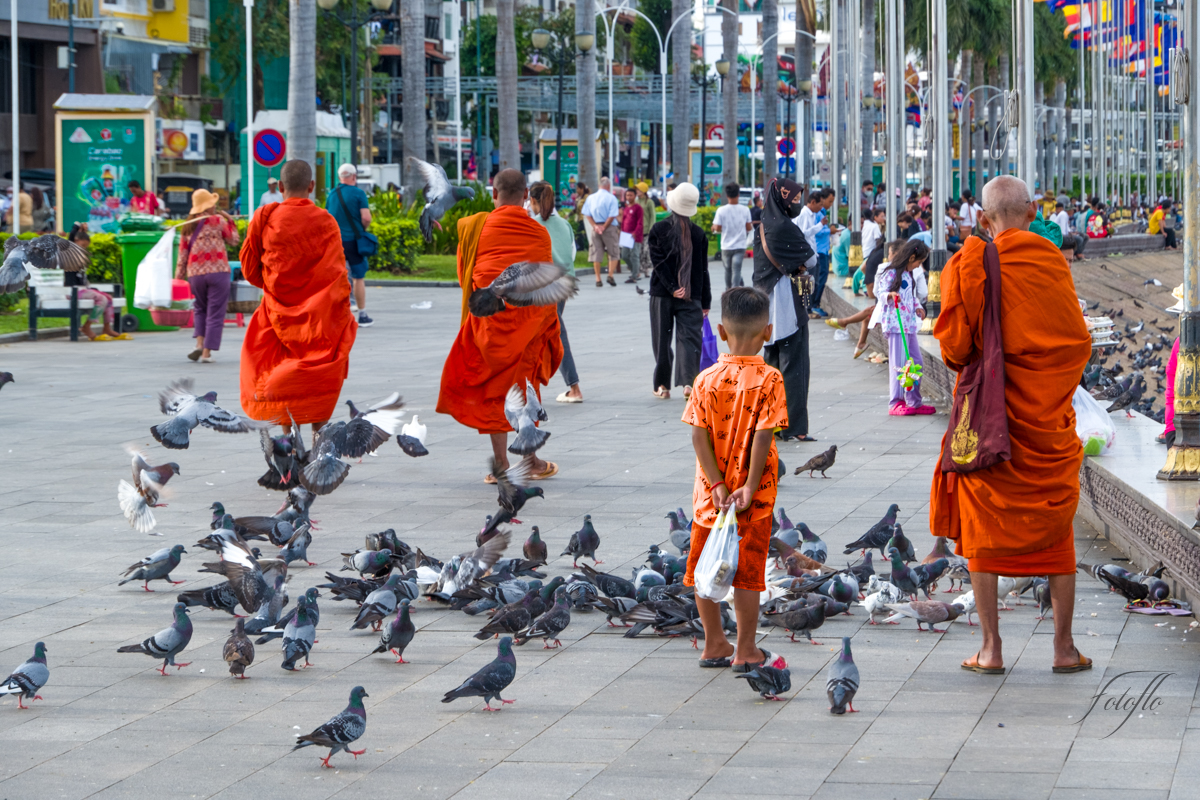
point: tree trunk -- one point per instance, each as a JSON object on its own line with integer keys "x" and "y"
{"x": 585, "y": 108}
{"x": 302, "y": 83}
{"x": 681, "y": 97}
{"x": 992, "y": 113}
{"x": 729, "y": 92}
{"x": 979, "y": 137}
{"x": 804, "y": 72}
{"x": 1068, "y": 154}
{"x": 965, "y": 140}
{"x": 412, "y": 67}
{"x": 869, "y": 114}
{"x": 1060, "y": 130}
{"x": 770, "y": 88}
{"x": 506, "y": 84}
{"x": 1005, "y": 84}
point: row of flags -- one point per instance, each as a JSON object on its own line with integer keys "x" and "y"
{"x": 1118, "y": 29}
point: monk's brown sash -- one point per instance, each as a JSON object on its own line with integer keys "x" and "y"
{"x": 469, "y": 230}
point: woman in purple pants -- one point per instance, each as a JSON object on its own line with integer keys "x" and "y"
{"x": 205, "y": 265}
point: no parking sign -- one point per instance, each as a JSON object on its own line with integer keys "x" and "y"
{"x": 269, "y": 147}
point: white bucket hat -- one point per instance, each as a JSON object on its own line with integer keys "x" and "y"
{"x": 1177, "y": 293}
{"x": 683, "y": 200}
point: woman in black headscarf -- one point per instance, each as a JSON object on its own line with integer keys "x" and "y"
{"x": 680, "y": 295}
{"x": 782, "y": 257}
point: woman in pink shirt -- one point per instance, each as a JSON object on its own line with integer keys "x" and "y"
{"x": 204, "y": 263}
{"x": 633, "y": 224}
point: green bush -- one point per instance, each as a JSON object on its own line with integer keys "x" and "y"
{"x": 400, "y": 243}
{"x": 445, "y": 241}
{"x": 232, "y": 250}
{"x": 10, "y": 301}
{"x": 106, "y": 259}
{"x": 704, "y": 218}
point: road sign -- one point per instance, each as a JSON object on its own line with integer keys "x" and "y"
{"x": 716, "y": 132}
{"x": 269, "y": 147}
{"x": 787, "y": 164}
{"x": 786, "y": 147}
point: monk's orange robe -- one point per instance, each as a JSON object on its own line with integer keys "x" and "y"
{"x": 297, "y": 347}
{"x": 1015, "y": 518}
{"x": 492, "y": 353}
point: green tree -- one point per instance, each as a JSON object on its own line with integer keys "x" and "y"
{"x": 645, "y": 42}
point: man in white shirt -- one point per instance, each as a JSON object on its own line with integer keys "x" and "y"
{"x": 732, "y": 221}
{"x": 1062, "y": 219}
{"x": 968, "y": 214}
{"x": 272, "y": 194}
{"x": 600, "y": 210}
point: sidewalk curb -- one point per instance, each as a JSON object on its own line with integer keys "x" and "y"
{"x": 43, "y": 333}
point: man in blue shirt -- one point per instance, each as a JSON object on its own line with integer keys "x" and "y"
{"x": 348, "y": 205}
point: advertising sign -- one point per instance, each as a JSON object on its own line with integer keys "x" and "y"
{"x": 569, "y": 167}
{"x": 99, "y": 158}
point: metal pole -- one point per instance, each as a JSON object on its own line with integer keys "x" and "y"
{"x": 354, "y": 83}
{"x": 662, "y": 63}
{"x": 832, "y": 104}
{"x": 703, "y": 132}
{"x": 248, "y": 153}
{"x": 894, "y": 91}
{"x": 939, "y": 116}
{"x": 1023, "y": 86}
{"x": 612, "y": 137}
{"x": 478, "y": 114}
{"x": 458, "y": 102}
{"x": 1151, "y": 91}
{"x": 1183, "y": 459}
{"x": 71, "y": 47}
{"x": 391, "y": 106}
{"x": 558, "y": 121}
{"x": 854, "y": 139}
{"x": 15, "y": 49}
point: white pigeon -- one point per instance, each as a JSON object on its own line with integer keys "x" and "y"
{"x": 1020, "y": 587}
{"x": 414, "y": 429}
{"x": 1004, "y": 587}
{"x": 966, "y": 602}
{"x": 877, "y": 602}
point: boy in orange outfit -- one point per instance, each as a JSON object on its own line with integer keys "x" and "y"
{"x": 734, "y": 408}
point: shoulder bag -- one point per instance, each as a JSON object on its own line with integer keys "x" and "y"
{"x": 368, "y": 243}
{"x": 978, "y": 434}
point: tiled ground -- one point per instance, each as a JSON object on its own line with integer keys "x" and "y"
{"x": 602, "y": 717}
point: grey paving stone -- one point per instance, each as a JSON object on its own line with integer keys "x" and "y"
{"x": 995, "y": 785}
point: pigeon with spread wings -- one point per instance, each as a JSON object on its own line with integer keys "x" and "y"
{"x": 523, "y": 411}
{"x": 139, "y": 497}
{"x": 526, "y": 283}
{"x": 286, "y": 457}
{"x": 440, "y": 195}
{"x": 362, "y": 434}
{"x": 187, "y": 410}
{"x": 44, "y": 252}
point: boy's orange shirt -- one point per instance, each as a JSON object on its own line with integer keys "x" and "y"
{"x": 731, "y": 400}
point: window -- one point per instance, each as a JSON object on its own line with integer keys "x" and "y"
{"x": 433, "y": 28}
{"x": 27, "y": 77}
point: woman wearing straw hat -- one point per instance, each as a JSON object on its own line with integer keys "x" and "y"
{"x": 204, "y": 263}
{"x": 680, "y": 294}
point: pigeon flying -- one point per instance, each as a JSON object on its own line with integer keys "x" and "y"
{"x": 167, "y": 643}
{"x": 26, "y": 679}
{"x": 523, "y": 411}
{"x": 526, "y": 283}
{"x": 362, "y": 434}
{"x": 513, "y": 495}
{"x": 440, "y": 194}
{"x": 186, "y": 411}
{"x": 139, "y": 497}
{"x": 411, "y": 438}
{"x": 341, "y": 731}
{"x": 44, "y": 252}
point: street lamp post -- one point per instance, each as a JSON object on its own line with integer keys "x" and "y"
{"x": 610, "y": 27}
{"x": 704, "y": 80}
{"x": 353, "y": 24}
{"x": 558, "y": 52}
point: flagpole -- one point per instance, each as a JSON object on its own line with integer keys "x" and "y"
{"x": 1151, "y": 91}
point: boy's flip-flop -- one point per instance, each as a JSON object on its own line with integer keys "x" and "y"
{"x": 972, "y": 665}
{"x": 1084, "y": 663}
{"x": 716, "y": 663}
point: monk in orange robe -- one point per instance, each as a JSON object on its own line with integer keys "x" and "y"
{"x": 297, "y": 347}
{"x": 491, "y": 354}
{"x": 1015, "y": 518}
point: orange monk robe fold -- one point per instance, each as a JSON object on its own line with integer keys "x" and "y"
{"x": 297, "y": 347}
{"x": 492, "y": 353}
{"x": 1015, "y": 518}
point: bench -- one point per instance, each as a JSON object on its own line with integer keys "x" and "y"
{"x": 48, "y": 297}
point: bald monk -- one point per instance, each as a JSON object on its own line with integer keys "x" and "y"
{"x": 491, "y": 354}
{"x": 297, "y": 347}
{"x": 1015, "y": 518}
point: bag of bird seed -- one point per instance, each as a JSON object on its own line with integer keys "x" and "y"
{"x": 719, "y": 559}
{"x": 1092, "y": 424}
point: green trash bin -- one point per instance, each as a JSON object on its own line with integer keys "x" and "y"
{"x": 134, "y": 247}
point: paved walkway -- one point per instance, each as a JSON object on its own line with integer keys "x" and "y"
{"x": 602, "y": 717}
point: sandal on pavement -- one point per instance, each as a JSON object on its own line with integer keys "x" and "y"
{"x": 123, "y": 337}
{"x": 972, "y": 665}
{"x": 858, "y": 351}
{"x": 716, "y": 663}
{"x": 611, "y": 281}
{"x": 567, "y": 398}
{"x": 1084, "y": 663}
{"x": 662, "y": 394}
{"x": 549, "y": 472}
{"x": 194, "y": 355}
{"x": 834, "y": 323}
{"x": 102, "y": 337}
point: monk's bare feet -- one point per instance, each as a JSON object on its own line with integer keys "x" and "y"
{"x": 536, "y": 465}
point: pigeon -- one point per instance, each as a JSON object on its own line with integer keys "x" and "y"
{"x": 615, "y": 607}
{"x": 879, "y": 534}
{"x": 155, "y": 567}
{"x": 583, "y": 543}
{"x": 243, "y": 571}
{"x": 611, "y": 585}
{"x": 296, "y": 548}
{"x": 1152, "y": 282}
{"x": 581, "y": 594}
{"x": 219, "y": 597}
{"x": 512, "y": 495}
{"x": 341, "y": 731}
{"x": 928, "y": 574}
{"x": 167, "y": 643}
{"x": 490, "y": 681}
{"x": 769, "y": 682}
{"x": 186, "y": 411}
{"x": 283, "y": 618}
{"x": 841, "y": 588}
{"x": 298, "y": 638}
{"x": 379, "y": 604}
{"x": 137, "y": 498}
{"x": 877, "y": 603}
{"x": 680, "y": 534}
{"x": 294, "y": 511}
{"x": 966, "y": 606}
{"x": 286, "y": 457}
{"x": 905, "y": 579}
{"x": 44, "y": 252}
{"x": 26, "y": 679}
{"x": 511, "y": 618}
{"x": 1128, "y": 398}
{"x": 803, "y": 620}
{"x": 6, "y": 377}
{"x": 523, "y": 411}
{"x": 526, "y": 283}
{"x": 550, "y": 624}
{"x": 1041, "y": 591}
{"x": 411, "y": 438}
{"x": 363, "y": 433}
{"x": 863, "y": 570}
{"x": 440, "y": 195}
{"x": 819, "y": 463}
{"x": 464, "y": 570}
{"x": 957, "y": 569}
{"x": 397, "y": 634}
{"x": 239, "y": 650}
{"x": 534, "y": 548}
{"x": 367, "y": 562}
{"x": 267, "y": 614}
{"x": 901, "y": 544}
{"x": 812, "y": 546}
{"x": 1004, "y": 587}
{"x": 929, "y": 612}
{"x": 841, "y": 682}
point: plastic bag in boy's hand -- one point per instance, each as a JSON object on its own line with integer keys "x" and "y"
{"x": 708, "y": 346}
{"x": 718, "y": 561}
{"x": 1092, "y": 424}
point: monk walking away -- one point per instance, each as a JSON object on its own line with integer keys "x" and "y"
{"x": 511, "y": 347}
{"x": 734, "y": 409}
{"x": 1015, "y": 517}
{"x": 296, "y": 353}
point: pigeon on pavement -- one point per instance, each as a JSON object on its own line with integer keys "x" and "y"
{"x": 490, "y": 681}
{"x": 901, "y": 544}
{"x": 769, "y": 682}
{"x": 966, "y": 606}
{"x": 929, "y": 612}
{"x": 957, "y": 569}
{"x": 526, "y": 283}
{"x": 44, "y": 252}
{"x": 243, "y": 571}
{"x": 534, "y": 548}
{"x": 841, "y": 683}
{"x": 186, "y": 411}
{"x": 397, "y": 634}
{"x": 167, "y": 643}
{"x": 819, "y": 463}
{"x": 879, "y": 534}
{"x": 440, "y": 194}
{"x": 583, "y": 543}
{"x": 511, "y": 618}
{"x": 26, "y": 679}
{"x": 137, "y": 498}
{"x": 611, "y": 585}
{"x": 680, "y": 533}
{"x": 378, "y": 604}
{"x": 296, "y": 548}
{"x": 6, "y": 377}
{"x": 219, "y": 597}
{"x": 342, "y": 731}
{"x": 550, "y": 624}
{"x": 367, "y": 562}
{"x": 523, "y": 411}
{"x": 239, "y": 650}
{"x": 803, "y": 620}
{"x": 155, "y": 567}
{"x": 811, "y": 545}
{"x": 298, "y": 637}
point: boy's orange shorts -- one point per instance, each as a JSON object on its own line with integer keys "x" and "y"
{"x": 754, "y": 541}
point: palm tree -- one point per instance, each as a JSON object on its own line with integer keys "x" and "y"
{"x": 770, "y": 86}
{"x": 806, "y": 22}
{"x": 966, "y": 132}
{"x": 681, "y": 108}
{"x": 412, "y": 66}
{"x": 585, "y": 77}
{"x": 506, "y": 83}
{"x": 729, "y": 91}
{"x": 302, "y": 82}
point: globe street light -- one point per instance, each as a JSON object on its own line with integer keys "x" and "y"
{"x": 353, "y": 24}
{"x": 558, "y": 52}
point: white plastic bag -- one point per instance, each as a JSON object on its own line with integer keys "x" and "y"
{"x": 719, "y": 558}
{"x": 154, "y": 274}
{"x": 1092, "y": 425}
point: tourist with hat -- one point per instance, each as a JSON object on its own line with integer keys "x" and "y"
{"x": 272, "y": 194}
{"x": 204, "y": 264}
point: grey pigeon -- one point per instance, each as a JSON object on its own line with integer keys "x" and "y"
{"x": 583, "y": 543}
{"x": 490, "y": 681}
{"x": 1128, "y": 398}
{"x": 903, "y": 578}
{"x": 582, "y": 595}
{"x": 901, "y": 544}
{"x": 819, "y": 463}
{"x": 186, "y": 411}
{"x": 137, "y": 498}
{"x": 611, "y": 585}
{"x": 298, "y": 638}
{"x": 1041, "y": 591}
{"x": 811, "y": 545}
{"x": 341, "y": 731}
{"x": 26, "y": 679}
{"x": 769, "y": 682}
{"x": 285, "y": 455}
{"x": 440, "y": 194}
{"x": 523, "y": 412}
{"x": 803, "y": 620}
{"x": 44, "y": 252}
{"x": 377, "y": 605}
{"x": 296, "y": 548}
{"x": 681, "y": 537}
{"x": 219, "y": 597}
{"x": 362, "y": 434}
{"x": 526, "y": 283}
{"x": 294, "y": 512}
{"x": 398, "y": 633}
{"x": 929, "y": 612}
{"x": 308, "y": 600}
{"x": 155, "y": 567}
{"x": 243, "y": 570}
{"x": 462, "y": 571}
{"x": 879, "y": 534}
{"x": 167, "y": 643}
{"x": 928, "y": 574}
{"x": 534, "y": 548}
{"x": 6, "y": 377}
{"x": 549, "y": 625}
{"x": 238, "y": 650}
{"x": 267, "y": 613}
{"x": 511, "y": 618}
{"x": 512, "y": 495}
{"x": 841, "y": 683}
{"x": 367, "y": 562}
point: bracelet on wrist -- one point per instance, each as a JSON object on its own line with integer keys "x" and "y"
{"x": 715, "y": 485}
